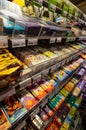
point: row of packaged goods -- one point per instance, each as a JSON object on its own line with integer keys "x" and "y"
{"x": 23, "y": 61}
{"x": 53, "y": 24}
{"x": 17, "y": 106}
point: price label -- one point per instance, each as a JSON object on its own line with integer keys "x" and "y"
{"x": 82, "y": 38}
{"x": 72, "y": 39}
{"x": 53, "y": 7}
{"x": 32, "y": 41}
{"x": 18, "y": 42}
{"x": 3, "y": 41}
{"x": 39, "y": 1}
{"x": 52, "y": 40}
{"x": 24, "y": 83}
{"x": 58, "y": 39}
{"x": 36, "y": 77}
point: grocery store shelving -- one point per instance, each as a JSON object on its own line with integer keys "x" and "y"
{"x": 34, "y": 75}
{"x": 42, "y": 69}
{"x": 51, "y": 119}
{"x": 21, "y": 122}
{"x": 15, "y": 42}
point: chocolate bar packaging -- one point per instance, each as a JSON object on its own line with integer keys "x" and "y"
{"x": 4, "y": 122}
{"x": 13, "y": 108}
{"x": 27, "y": 99}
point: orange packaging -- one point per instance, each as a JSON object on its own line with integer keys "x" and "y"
{"x": 47, "y": 86}
{"x": 38, "y": 92}
{"x": 83, "y": 56}
{"x": 4, "y": 123}
{"x": 53, "y": 126}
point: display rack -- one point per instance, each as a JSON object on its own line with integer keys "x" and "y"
{"x": 21, "y": 85}
{"x": 21, "y": 122}
{"x": 20, "y": 39}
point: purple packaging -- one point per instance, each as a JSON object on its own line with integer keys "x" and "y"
{"x": 81, "y": 84}
{"x": 61, "y": 115}
{"x": 81, "y": 72}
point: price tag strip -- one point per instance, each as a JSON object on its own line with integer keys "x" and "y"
{"x": 52, "y": 40}
{"x": 24, "y": 83}
{"x": 18, "y": 42}
{"x": 3, "y": 41}
{"x": 32, "y": 41}
{"x": 83, "y": 38}
{"x": 59, "y": 39}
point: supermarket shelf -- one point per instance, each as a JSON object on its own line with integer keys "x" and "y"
{"x": 51, "y": 94}
{"x": 51, "y": 119}
{"x": 35, "y": 76}
{"x": 15, "y": 42}
{"x": 45, "y": 71}
{"x": 21, "y": 122}
{"x": 76, "y": 121}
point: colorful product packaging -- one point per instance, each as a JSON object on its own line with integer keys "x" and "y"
{"x": 61, "y": 115}
{"x": 71, "y": 101}
{"x": 74, "y": 80}
{"x": 43, "y": 115}
{"x": 76, "y": 91}
{"x": 72, "y": 111}
{"x": 53, "y": 126}
{"x": 4, "y": 122}
{"x": 64, "y": 92}
{"x": 61, "y": 75}
{"x": 65, "y": 126}
{"x": 27, "y": 99}
{"x": 78, "y": 101}
{"x": 69, "y": 86}
{"x": 13, "y": 108}
{"x": 48, "y": 110}
{"x": 37, "y": 122}
{"x": 57, "y": 101}
{"x": 67, "y": 69}
{"x": 81, "y": 84}
{"x": 38, "y": 92}
{"x": 47, "y": 86}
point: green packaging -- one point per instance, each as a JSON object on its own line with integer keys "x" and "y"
{"x": 60, "y": 3}
{"x": 64, "y": 92}
{"x": 52, "y": 5}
